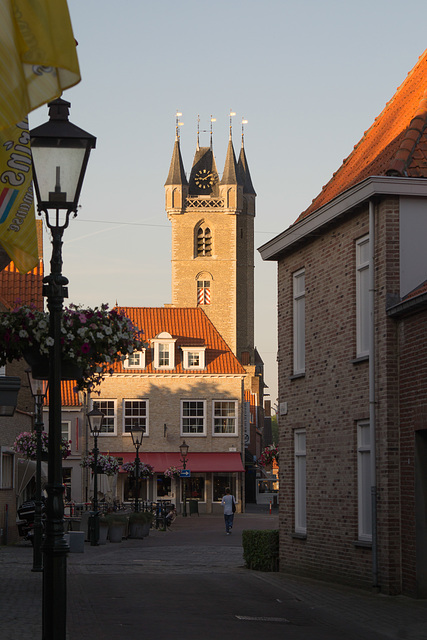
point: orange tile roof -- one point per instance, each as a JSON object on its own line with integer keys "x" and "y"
{"x": 396, "y": 143}
{"x": 69, "y": 397}
{"x": 23, "y": 288}
{"x": 190, "y": 327}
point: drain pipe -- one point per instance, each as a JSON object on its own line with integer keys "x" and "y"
{"x": 372, "y": 413}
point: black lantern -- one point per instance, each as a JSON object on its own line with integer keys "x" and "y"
{"x": 95, "y": 419}
{"x": 60, "y": 152}
{"x": 38, "y": 390}
{"x": 60, "y": 155}
{"x": 9, "y": 388}
{"x": 137, "y": 433}
{"x": 184, "y": 453}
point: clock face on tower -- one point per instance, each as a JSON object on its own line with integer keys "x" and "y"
{"x": 204, "y": 179}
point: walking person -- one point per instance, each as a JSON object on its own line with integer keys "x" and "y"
{"x": 229, "y": 503}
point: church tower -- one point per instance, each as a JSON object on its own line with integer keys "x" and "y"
{"x": 213, "y": 242}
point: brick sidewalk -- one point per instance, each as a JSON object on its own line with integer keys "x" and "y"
{"x": 104, "y": 581}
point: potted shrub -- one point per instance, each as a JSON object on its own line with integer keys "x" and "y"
{"x": 140, "y": 523}
{"x": 117, "y": 527}
{"x": 103, "y": 530}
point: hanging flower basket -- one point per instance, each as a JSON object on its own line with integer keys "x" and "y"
{"x": 25, "y": 445}
{"x": 106, "y": 464}
{"x": 268, "y": 455}
{"x": 91, "y": 340}
{"x": 145, "y": 470}
{"x": 172, "y": 472}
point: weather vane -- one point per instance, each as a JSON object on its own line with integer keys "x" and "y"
{"x": 177, "y": 124}
{"x": 243, "y": 129}
{"x": 212, "y": 121}
{"x": 232, "y": 113}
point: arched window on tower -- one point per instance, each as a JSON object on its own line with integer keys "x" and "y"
{"x": 204, "y": 242}
{"x": 203, "y": 292}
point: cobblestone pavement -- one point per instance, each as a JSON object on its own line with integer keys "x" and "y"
{"x": 191, "y": 581}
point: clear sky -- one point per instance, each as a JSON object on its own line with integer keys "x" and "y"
{"x": 309, "y": 76}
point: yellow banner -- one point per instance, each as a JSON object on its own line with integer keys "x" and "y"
{"x": 38, "y": 58}
{"x": 18, "y": 233}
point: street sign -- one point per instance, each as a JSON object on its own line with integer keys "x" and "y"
{"x": 185, "y": 473}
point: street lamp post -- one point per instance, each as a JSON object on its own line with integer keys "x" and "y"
{"x": 95, "y": 419}
{"x": 184, "y": 453}
{"x": 38, "y": 391}
{"x": 137, "y": 434}
{"x": 60, "y": 153}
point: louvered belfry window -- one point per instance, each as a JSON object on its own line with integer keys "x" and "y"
{"x": 204, "y": 242}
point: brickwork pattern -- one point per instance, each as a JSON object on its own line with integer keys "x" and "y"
{"x": 230, "y": 271}
{"x": 330, "y": 399}
{"x": 413, "y": 418}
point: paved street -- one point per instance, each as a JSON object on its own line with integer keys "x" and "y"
{"x": 190, "y": 583}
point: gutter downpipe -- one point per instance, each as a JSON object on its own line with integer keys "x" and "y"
{"x": 372, "y": 413}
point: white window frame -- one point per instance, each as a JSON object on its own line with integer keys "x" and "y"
{"x": 182, "y": 417}
{"x": 298, "y": 281}
{"x": 300, "y": 481}
{"x": 96, "y": 404}
{"x": 186, "y": 351}
{"x": 146, "y": 426}
{"x": 135, "y": 360}
{"x": 7, "y": 451}
{"x": 362, "y": 297}
{"x": 236, "y": 414}
{"x": 364, "y": 500}
{"x": 165, "y": 340}
{"x": 66, "y": 429}
{"x": 3, "y": 370}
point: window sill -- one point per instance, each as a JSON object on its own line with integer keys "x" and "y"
{"x": 362, "y": 544}
{"x": 299, "y": 536}
{"x": 359, "y": 360}
{"x": 295, "y": 376}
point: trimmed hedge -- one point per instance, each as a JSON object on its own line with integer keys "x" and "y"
{"x": 261, "y": 549}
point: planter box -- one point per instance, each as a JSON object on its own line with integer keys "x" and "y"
{"x": 116, "y": 532}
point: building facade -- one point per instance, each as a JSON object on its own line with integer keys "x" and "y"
{"x": 353, "y": 482}
{"x": 186, "y": 385}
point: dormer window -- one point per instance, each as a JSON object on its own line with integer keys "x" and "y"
{"x": 135, "y": 360}
{"x": 164, "y": 351}
{"x": 193, "y": 357}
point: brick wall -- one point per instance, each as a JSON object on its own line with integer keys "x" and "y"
{"x": 413, "y": 418}
{"x": 332, "y": 397}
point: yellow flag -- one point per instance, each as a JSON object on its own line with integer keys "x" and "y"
{"x": 18, "y": 233}
{"x": 38, "y": 57}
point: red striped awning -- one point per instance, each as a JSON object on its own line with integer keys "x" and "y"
{"x": 196, "y": 462}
